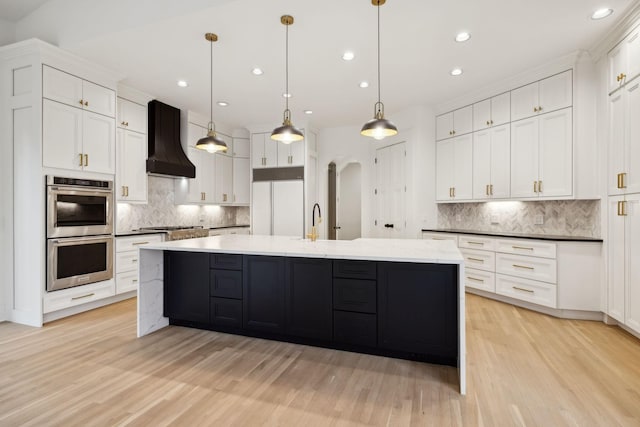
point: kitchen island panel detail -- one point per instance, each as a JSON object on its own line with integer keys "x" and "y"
{"x": 263, "y": 293}
{"x": 186, "y": 286}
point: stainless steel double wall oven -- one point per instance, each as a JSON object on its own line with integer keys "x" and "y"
{"x": 79, "y": 232}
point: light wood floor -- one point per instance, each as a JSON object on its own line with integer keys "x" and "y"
{"x": 524, "y": 369}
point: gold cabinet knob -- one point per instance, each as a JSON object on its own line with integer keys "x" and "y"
{"x": 82, "y": 101}
{"x": 487, "y": 122}
{"x": 86, "y": 103}
{"x": 539, "y": 109}
{"x": 535, "y": 109}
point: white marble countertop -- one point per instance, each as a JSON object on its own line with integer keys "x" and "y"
{"x": 396, "y": 250}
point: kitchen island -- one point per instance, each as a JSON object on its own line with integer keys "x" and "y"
{"x": 391, "y": 297}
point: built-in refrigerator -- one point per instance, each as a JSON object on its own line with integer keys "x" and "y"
{"x": 278, "y": 208}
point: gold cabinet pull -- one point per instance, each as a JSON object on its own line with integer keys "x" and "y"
{"x": 127, "y": 187}
{"x": 134, "y": 281}
{"x": 491, "y": 122}
{"x": 535, "y": 186}
{"x": 454, "y": 191}
{"x": 535, "y": 109}
{"x": 81, "y": 102}
{"x": 619, "y": 185}
{"x": 475, "y": 259}
{"x": 623, "y": 183}
{"x": 526, "y": 267}
{"x": 539, "y": 109}
{"x": 86, "y": 103}
{"x": 454, "y": 132}
{"x": 83, "y": 296}
{"x": 80, "y": 156}
{"x": 224, "y": 197}
{"x": 624, "y": 208}
{"x": 618, "y": 206}
{"x": 539, "y": 186}
{"x": 475, "y": 243}
{"x": 487, "y": 122}
{"x": 523, "y": 289}
{"x": 123, "y": 191}
{"x": 86, "y": 160}
{"x": 621, "y": 77}
{"x": 474, "y": 279}
{"x": 139, "y": 243}
{"x": 522, "y": 247}
{"x": 491, "y": 189}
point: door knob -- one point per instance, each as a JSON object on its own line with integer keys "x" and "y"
{"x": 337, "y": 228}
{"x": 388, "y": 225}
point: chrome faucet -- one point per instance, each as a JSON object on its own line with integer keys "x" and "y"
{"x": 314, "y": 235}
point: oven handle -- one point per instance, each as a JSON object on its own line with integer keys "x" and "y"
{"x": 89, "y": 239}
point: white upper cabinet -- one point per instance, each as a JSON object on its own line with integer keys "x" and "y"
{"x": 264, "y": 151}
{"x": 624, "y": 61}
{"x": 624, "y": 140}
{"x": 71, "y": 90}
{"x": 132, "y": 116}
{"x": 98, "y": 143}
{"x": 131, "y": 175}
{"x": 544, "y": 96}
{"x": 541, "y": 156}
{"x": 454, "y": 123}
{"x": 223, "y": 179}
{"x": 495, "y": 111}
{"x": 291, "y": 154}
{"x": 491, "y": 163}
{"x": 454, "y": 158}
{"x": 241, "y": 147}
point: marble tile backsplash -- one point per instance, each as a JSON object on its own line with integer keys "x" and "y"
{"x": 161, "y": 210}
{"x": 559, "y": 217}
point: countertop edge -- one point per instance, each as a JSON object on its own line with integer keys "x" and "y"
{"x": 516, "y": 235}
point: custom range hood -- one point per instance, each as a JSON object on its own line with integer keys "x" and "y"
{"x": 166, "y": 156}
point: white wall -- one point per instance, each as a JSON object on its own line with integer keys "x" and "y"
{"x": 7, "y": 32}
{"x": 342, "y": 145}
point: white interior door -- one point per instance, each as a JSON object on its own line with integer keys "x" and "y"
{"x": 261, "y": 208}
{"x": 391, "y": 191}
{"x": 287, "y": 208}
{"x": 349, "y": 202}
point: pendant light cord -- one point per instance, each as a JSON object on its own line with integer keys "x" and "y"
{"x": 287, "y": 94}
{"x": 211, "y": 87}
{"x": 378, "y": 53}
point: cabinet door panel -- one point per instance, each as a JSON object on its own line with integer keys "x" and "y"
{"x": 482, "y": 115}
{"x": 444, "y": 169}
{"x": 131, "y": 172}
{"x": 462, "y": 120}
{"x": 241, "y": 180}
{"x": 287, "y": 208}
{"x": 226, "y": 312}
{"x": 523, "y": 101}
{"x": 556, "y": 92}
{"x": 524, "y": 157}
{"x": 309, "y": 298}
{"x": 633, "y": 55}
{"x": 297, "y": 153}
{"x": 632, "y": 139}
{"x": 270, "y": 151}
{"x": 223, "y": 178}
{"x": 355, "y": 328}
{"x": 186, "y": 286}
{"x": 226, "y": 283}
{"x": 132, "y": 116}
{"x": 444, "y": 126}
{"x": 257, "y": 150}
{"x": 616, "y": 146}
{"x": 617, "y": 65}
{"x": 263, "y": 293}
{"x": 632, "y": 261}
{"x": 62, "y": 87}
{"x": 463, "y": 165}
{"x": 241, "y": 147}
{"x": 417, "y": 308}
{"x": 481, "y": 164}
{"x": 501, "y": 109}
{"x": 61, "y": 135}
{"x": 98, "y": 99}
{"x": 261, "y": 208}
{"x": 98, "y": 142}
{"x": 500, "y": 162}
{"x": 616, "y": 267}
{"x": 556, "y": 154}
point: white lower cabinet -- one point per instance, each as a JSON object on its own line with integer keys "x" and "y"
{"x": 528, "y": 290}
{"x": 624, "y": 260}
{"x": 71, "y": 297}
{"x": 127, "y": 260}
{"x": 479, "y": 279}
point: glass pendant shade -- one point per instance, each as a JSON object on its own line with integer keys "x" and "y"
{"x": 211, "y": 143}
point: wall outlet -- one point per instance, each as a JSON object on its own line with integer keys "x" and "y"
{"x": 201, "y": 218}
{"x": 538, "y": 220}
{"x": 495, "y": 219}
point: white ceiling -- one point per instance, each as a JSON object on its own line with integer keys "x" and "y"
{"x": 14, "y": 10}
{"x": 156, "y": 42}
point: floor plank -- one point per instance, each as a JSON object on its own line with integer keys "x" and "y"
{"x": 524, "y": 368}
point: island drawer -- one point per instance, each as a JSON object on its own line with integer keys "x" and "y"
{"x": 355, "y": 328}
{"x": 226, "y": 261}
{"x": 226, "y": 312}
{"x": 354, "y": 269}
{"x": 354, "y": 295}
{"x": 225, "y": 283}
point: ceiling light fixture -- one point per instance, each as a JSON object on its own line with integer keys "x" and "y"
{"x": 223, "y": 103}
{"x": 257, "y": 71}
{"x": 308, "y": 111}
{"x": 462, "y": 37}
{"x": 287, "y": 133}
{"x": 456, "y": 71}
{"x": 182, "y": 83}
{"x": 211, "y": 142}
{"x": 286, "y": 95}
{"x": 601, "y": 13}
{"x": 364, "y": 84}
{"x": 348, "y": 56}
{"x": 378, "y": 127}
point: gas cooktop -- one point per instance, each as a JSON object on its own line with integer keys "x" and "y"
{"x": 180, "y": 232}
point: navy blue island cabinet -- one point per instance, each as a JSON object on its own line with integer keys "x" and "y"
{"x": 396, "y": 309}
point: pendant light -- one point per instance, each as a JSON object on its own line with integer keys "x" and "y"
{"x": 287, "y": 133}
{"x": 211, "y": 142}
{"x": 378, "y": 127}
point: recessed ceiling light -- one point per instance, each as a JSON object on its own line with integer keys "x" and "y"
{"x": 601, "y": 13}
{"x": 364, "y": 84}
{"x": 182, "y": 83}
{"x": 308, "y": 111}
{"x": 348, "y": 55}
{"x": 223, "y": 103}
{"x": 257, "y": 71}
{"x": 456, "y": 71}
{"x": 463, "y": 36}
{"x": 286, "y": 95}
